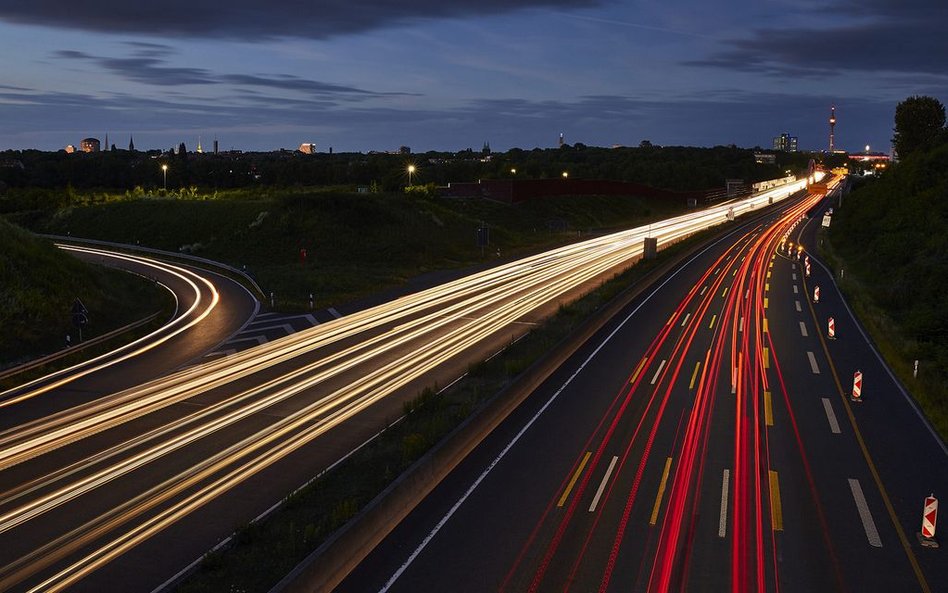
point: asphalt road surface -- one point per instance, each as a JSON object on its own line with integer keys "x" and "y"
{"x": 704, "y": 441}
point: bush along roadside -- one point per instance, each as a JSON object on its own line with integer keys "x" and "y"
{"x": 259, "y": 555}
{"x": 899, "y": 350}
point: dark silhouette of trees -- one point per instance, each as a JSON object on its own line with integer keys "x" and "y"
{"x": 919, "y": 125}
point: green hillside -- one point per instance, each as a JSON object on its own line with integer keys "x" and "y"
{"x": 38, "y": 284}
{"x": 356, "y": 244}
{"x": 890, "y": 237}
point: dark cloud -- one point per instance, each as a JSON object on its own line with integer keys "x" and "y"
{"x": 888, "y": 36}
{"x": 147, "y": 65}
{"x": 252, "y": 20}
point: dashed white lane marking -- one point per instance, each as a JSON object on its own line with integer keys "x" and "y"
{"x": 803, "y": 330}
{"x": 722, "y": 522}
{"x": 797, "y": 304}
{"x": 831, "y": 415}
{"x": 658, "y": 371}
{"x": 872, "y": 534}
{"x": 813, "y": 366}
{"x": 602, "y": 485}
{"x": 334, "y": 313}
{"x": 796, "y": 289}
{"x": 688, "y": 316}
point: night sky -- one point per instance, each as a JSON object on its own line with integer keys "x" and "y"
{"x": 452, "y": 74}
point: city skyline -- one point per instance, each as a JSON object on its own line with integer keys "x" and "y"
{"x": 438, "y": 77}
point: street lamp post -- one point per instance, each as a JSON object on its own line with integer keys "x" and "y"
{"x": 164, "y": 173}
{"x": 411, "y": 169}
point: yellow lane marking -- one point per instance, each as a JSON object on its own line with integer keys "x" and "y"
{"x": 635, "y": 375}
{"x": 661, "y": 492}
{"x": 694, "y": 375}
{"x": 766, "y": 302}
{"x": 713, "y": 317}
{"x": 767, "y": 287}
{"x": 768, "y": 275}
{"x": 766, "y": 357}
{"x": 768, "y": 409}
{"x": 724, "y": 293}
{"x": 670, "y": 319}
{"x": 776, "y": 511}
{"x": 734, "y": 273}
{"x": 766, "y": 327}
{"x": 572, "y": 482}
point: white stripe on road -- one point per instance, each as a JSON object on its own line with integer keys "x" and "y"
{"x": 803, "y": 330}
{"x": 334, "y": 313}
{"x": 602, "y": 485}
{"x": 510, "y": 445}
{"x": 686, "y": 320}
{"x": 657, "y": 372}
{"x": 796, "y": 289}
{"x": 799, "y": 308}
{"x": 872, "y": 534}
{"x": 794, "y": 275}
{"x": 831, "y": 415}
{"x": 813, "y": 366}
{"x": 722, "y": 522}
{"x": 704, "y": 290}
{"x": 740, "y": 327}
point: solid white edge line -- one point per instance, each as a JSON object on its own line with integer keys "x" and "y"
{"x": 722, "y": 521}
{"x": 602, "y": 485}
{"x": 898, "y": 384}
{"x": 503, "y": 453}
{"x": 831, "y": 415}
{"x": 872, "y": 534}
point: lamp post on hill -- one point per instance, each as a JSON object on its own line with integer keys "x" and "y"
{"x": 164, "y": 173}
{"x": 411, "y": 169}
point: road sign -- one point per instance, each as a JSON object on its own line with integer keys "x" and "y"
{"x": 816, "y": 294}
{"x": 857, "y": 387}
{"x": 80, "y": 315}
{"x": 831, "y": 329}
{"x": 929, "y": 519}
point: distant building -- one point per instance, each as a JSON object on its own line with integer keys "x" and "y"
{"x": 404, "y": 150}
{"x": 216, "y": 147}
{"x": 89, "y": 145}
{"x": 765, "y": 158}
{"x": 307, "y": 148}
{"x": 785, "y": 142}
{"x": 131, "y": 144}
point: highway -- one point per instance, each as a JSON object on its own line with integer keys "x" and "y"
{"x": 132, "y": 486}
{"x": 704, "y": 441}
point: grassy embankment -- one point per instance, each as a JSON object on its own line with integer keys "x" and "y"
{"x": 889, "y": 238}
{"x": 38, "y": 284}
{"x": 357, "y": 244}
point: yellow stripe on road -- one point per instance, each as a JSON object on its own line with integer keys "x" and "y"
{"x": 766, "y": 327}
{"x": 768, "y": 409}
{"x": 711, "y": 325}
{"x": 776, "y": 511}
{"x": 572, "y": 482}
{"x": 766, "y": 356}
{"x": 724, "y": 293}
{"x": 635, "y": 375}
{"x": 694, "y": 375}
{"x": 661, "y": 492}
{"x": 766, "y": 302}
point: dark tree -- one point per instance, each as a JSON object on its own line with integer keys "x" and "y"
{"x": 919, "y": 121}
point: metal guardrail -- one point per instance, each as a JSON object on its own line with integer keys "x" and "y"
{"x": 77, "y": 348}
{"x": 168, "y": 254}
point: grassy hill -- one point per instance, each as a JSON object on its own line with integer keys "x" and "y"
{"x": 356, "y": 244}
{"x": 890, "y": 236}
{"x": 38, "y": 284}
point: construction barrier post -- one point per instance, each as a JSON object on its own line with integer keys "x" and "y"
{"x": 857, "y": 387}
{"x": 929, "y": 518}
{"x": 816, "y": 294}
{"x": 831, "y": 329}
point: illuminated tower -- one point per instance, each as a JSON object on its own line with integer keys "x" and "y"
{"x": 832, "y": 126}
{"x": 561, "y": 140}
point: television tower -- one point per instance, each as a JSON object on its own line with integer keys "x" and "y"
{"x": 832, "y": 126}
